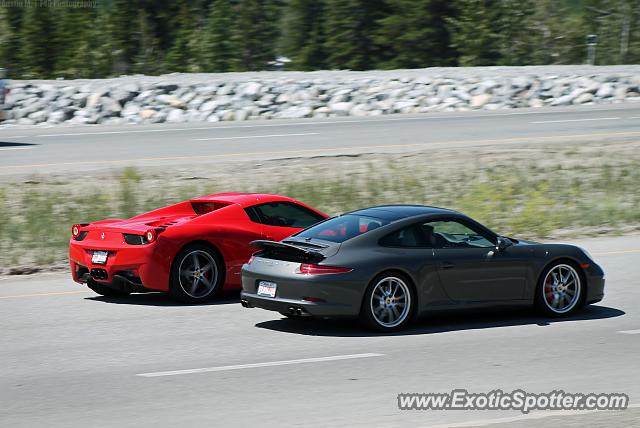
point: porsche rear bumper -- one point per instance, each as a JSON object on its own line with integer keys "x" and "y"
{"x": 330, "y": 296}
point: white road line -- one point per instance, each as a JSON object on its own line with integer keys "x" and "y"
{"x": 614, "y": 253}
{"x": 576, "y": 120}
{"x": 528, "y": 416}
{"x": 629, "y": 331}
{"x": 311, "y": 122}
{"x": 247, "y": 137}
{"x": 255, "y": 365}
{"x": 18, "y": 148}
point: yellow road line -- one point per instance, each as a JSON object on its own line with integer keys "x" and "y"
{"x": 326, "y": 150}
{"x": 17, "y": 296}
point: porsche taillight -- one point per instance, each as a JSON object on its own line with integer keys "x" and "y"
{"x": 311, "y": 269}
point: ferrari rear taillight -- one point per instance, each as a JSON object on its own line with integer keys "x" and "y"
{"x": 311, "y": 269}
{"x": 77, "y": 233}
{"x": 150, "y": 235}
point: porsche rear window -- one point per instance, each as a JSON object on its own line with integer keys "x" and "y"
{"x": 343, "y": 228}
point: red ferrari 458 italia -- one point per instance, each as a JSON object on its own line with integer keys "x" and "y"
{"x": 192, "y": 249}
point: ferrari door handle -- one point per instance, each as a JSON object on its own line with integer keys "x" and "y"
{"x": 447, "y": 265}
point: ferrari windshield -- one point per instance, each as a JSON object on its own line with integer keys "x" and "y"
{"x": 342, "y": 228}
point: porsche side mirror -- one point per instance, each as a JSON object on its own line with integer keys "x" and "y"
{"x": 502, "y": 243}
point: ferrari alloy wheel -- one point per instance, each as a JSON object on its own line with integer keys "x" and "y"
{"x": 196, "y": 275}
{"x": 560, "y": 291}
{"x": 388, "y": 303}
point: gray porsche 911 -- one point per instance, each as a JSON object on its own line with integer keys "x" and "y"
{"x": 388, "y": 265}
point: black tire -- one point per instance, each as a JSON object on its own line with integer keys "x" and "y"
{"x": 371, "y": 319}
{"x": 105, "y": 291}
{"x": 207, "y": 287}
{"x": 566, "y": 303}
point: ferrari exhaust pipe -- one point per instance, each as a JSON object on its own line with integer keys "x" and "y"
{"x": 100, "y": 274}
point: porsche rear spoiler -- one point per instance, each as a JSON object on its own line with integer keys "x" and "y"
{"x": 282, "y": 251}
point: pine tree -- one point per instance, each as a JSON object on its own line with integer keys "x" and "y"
{"x": 632, "y": 54}
{"x": 179, "y": 56}
{"x": 617, "y": 25}
{"x": 122, "y": 21}
{"x": 5, "y": 37}
{"x": 100, "y": 43}
{"x": 71, "y": 38}
{"x": 256, "y": 33}
{"x": 473, "y": 33}
{"x": 303, "y": 34}
{"x": 147, "y": 60}
{"x": 350, "y": 28}
{"x": 37, "y": 50}
{"x": 219, "y": 49}
{"x": 415, "y": 34}
{"x": 519, "y": 36}
{"x": 562, "y": 33}
{"x": 10, "y": 23}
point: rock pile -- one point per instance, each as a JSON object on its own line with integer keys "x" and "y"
{"x": 290, "y": 95}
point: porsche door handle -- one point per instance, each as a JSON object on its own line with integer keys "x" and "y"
{"x": 448, "y": 265}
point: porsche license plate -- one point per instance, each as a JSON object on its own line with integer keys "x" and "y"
{"x": 99, "y": 257}
{"x": 267, "y": 289}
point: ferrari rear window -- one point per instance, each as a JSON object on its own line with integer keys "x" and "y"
{"x": 343, "y": 228}
{"x": 201, "y": 208}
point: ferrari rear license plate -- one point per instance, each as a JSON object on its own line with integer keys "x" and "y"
{"x": 267, "y": 289}
{"x": 99, "y": 257}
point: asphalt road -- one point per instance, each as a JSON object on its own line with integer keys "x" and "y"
{"x": 92, "y": 148}
{"x": 71, "y": 359}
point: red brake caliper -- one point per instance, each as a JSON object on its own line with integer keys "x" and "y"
{"x": 548, "y": 290}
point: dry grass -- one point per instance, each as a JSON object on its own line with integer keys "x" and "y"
{"x": 533, "y": 192}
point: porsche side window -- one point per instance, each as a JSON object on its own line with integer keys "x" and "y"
{"x": 284, "y": 214}
{"x": 453, "y": 234}
{"x": 342, "y": 228}
{"x": 409, "y": 237}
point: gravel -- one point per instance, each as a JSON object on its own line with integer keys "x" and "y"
{"x": 291, "y": 95}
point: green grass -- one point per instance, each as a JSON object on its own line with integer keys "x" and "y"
{"x": 522, "y": 199}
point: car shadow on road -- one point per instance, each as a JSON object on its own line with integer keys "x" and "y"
{"x": 163, "y": 299}
{"x": 12, "y": 144}
{"x": 438, "y": 323}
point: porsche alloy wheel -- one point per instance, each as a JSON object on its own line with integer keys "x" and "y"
{"x": 388, "y": 303}
{"x": 197, "y": 274}
{"x": 560, "y": 291}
